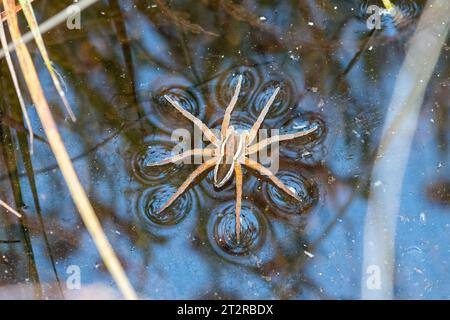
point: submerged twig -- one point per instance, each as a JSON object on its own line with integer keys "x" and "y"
{"x": 192, "y": 27}
{"x": 8, "y": 152}
{"x": 357, "y": 56}
{"x": 9, "y": 241}
{"x": 127, "y": 52}
{"x": 4, "y": 43}
{"x": 28, "y": 164}
{"x": 19, "y": 127}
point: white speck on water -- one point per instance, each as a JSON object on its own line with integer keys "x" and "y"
{"x": 423, "y": 218}
{"x": 306, "y": 154}
{"x": 309, "y": 254}
{"x": 262, "y": 18}
{"x": 377, "y": 183}
{"x": 356, "y": 133}
{"x": 418, "y": 270}
{"x": 321, "y": 103}
{"x": 267, "y": 278}
{"x": 294, "y": 58}
{"x": 310, "y": 23}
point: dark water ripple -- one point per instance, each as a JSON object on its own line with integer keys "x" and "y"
{"x": 221, "y": 229}
{"x": 228, "y": 81}
{"x": 149, "y": 153}
{"x": 167, "y": 118}
{"x": 281, "y": 107}
{"x": 239, "y": 120}
{"x": 152, "y": 199}
{"x": 282, "y": 203}
{"x": 308, "y": 148}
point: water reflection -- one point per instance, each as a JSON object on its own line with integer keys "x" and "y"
{"x": 335, "y": 75}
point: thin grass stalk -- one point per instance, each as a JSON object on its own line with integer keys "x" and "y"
{"x": 76, "y": 190}
{"x": 34, "y": 26}
{"x": 10, "y": 209}
{"x": 48, "y": 24}
{"x": 4, "y": 43}
{"x": 3, "y": 14}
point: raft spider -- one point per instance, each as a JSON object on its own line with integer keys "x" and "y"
{"x": 230, "y": 152}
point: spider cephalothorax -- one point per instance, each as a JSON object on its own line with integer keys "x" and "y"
{"x": 230, "y": 152}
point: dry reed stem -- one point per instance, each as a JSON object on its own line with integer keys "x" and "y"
{"x": 4, "y": 43}
{"x": 7, "y": 207}
{"x": 17, "y": 9}
{"x": 76, "y": 190}
{"x": 33, "y": 24}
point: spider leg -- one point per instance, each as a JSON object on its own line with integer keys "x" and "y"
{"x": 206, "y": 131}
{"x": 182, "y": 156}
{"x": 264, "y": 171}
{"x": 229, "y": 109}
{"x": 238, "y": 171}
{"x": 283, "y": 137}
{"x": 262, "y": 115}
{"x": 204, "y": 167}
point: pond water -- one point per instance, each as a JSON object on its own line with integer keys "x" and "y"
{"x": 334, "y": 74}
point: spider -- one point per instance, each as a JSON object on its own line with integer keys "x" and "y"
{"x": 230, "y": 152}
